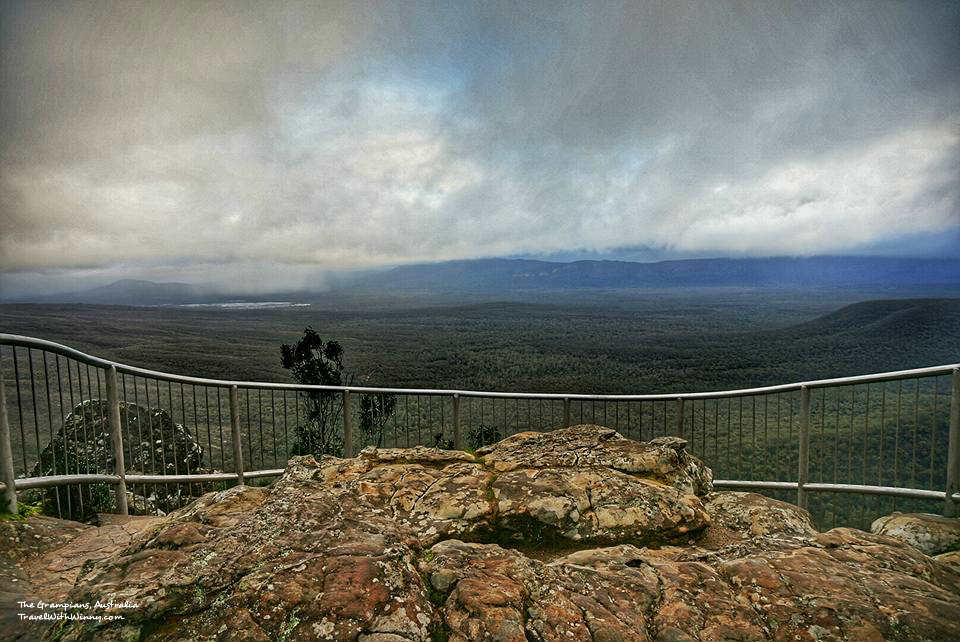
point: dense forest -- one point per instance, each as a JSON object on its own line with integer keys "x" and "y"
{"x": 611, "y": 342}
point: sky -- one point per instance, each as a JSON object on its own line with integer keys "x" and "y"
{"x": 262, "y": 145}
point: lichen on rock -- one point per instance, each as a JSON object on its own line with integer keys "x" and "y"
{"x": 577, "y": 534}
{"x": 575, "y": 485}
{"x": 931, "y": 534}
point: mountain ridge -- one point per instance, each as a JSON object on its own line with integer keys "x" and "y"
{"x": 785, "y": 272}
{"x": 502, "y": 275}
{"x": 887, "y": 317}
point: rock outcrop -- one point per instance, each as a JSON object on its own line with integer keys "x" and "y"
{"x": 953, "y": 557}
{"x": 835, "y": 586}
{"x": 582, "y": 484}
{"x": 40, "y": 559}
{"x": 578, "y": 535}
{"x": 930, "y": 534}
{"x": 153, "y": 444}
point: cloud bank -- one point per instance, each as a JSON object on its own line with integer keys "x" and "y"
{"x": 351, "y": 135}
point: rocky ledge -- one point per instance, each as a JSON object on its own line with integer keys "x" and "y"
{"x": 932, "y": 534}
{"x": 577, "y": 534}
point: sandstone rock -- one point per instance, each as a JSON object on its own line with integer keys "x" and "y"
{"x": 40, "y": 559}
{"x": 593, "y": 504}
{"x": 953, "y": 557}
{"x": 824, "y": 587}
{"x": 736, "y": 516}
{"x": 579, "y": 484}
{"x": 664, "y": 458}
{"x": 398, "y": 546}
{"x": 153, "y": 444}
{"x": 931, "y": 534}
{"x": 290, "y": 562}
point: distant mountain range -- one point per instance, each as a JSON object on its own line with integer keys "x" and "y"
{"x": 511, "y": 276}
{"x": 493, "y": 275}
{"x": 130, "y": 292}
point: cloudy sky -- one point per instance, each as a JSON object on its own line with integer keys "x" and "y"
{"x": 263, "y": 142}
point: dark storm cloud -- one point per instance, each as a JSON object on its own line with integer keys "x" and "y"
{"x": 354, "y": 135}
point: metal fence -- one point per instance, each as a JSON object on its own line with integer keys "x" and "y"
{"x": 86, "y": 435}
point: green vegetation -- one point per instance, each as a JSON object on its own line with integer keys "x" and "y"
{"x": 617, "y": 342}
{"x": 314, "y": 362}
{"x": 23, "y": 512}
{"x": 575, "y": 342}
{"x": 375, "y": 413}
{"x": 483, "y": 434}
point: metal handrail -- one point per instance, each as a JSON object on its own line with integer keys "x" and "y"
{"x": 51, "y": 481}
{"x": 26, "y": 483}
{"x": 8, "y": 485}
{"x": 57, "y": 348}
{"x": 886, "y": 491}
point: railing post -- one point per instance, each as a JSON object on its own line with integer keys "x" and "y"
{"x": 116, "y": 436}
{"x": 566, "y": 412}
{"x": 803, "y": 461}
{"x": 347, "y": 426}
{"x": 680, "y": 417}
{"x": 953, "y": 449}
{"x": 457, "y": 440}
{"x": 235, "y": 433}
{"x": 6, "y": 454}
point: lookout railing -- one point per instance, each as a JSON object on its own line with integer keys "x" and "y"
{"x": 85, "y": 434}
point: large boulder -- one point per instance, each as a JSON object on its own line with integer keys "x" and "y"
{"x": 579, "y": 484}
{"x": 931, "y": 534}
{"x": 664, "y": 459}
{"x": 736, "y": 516}
{"x": 953, "y": 557}
{"x": 153, "y": 444}
{"x": 424, "y": 544}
